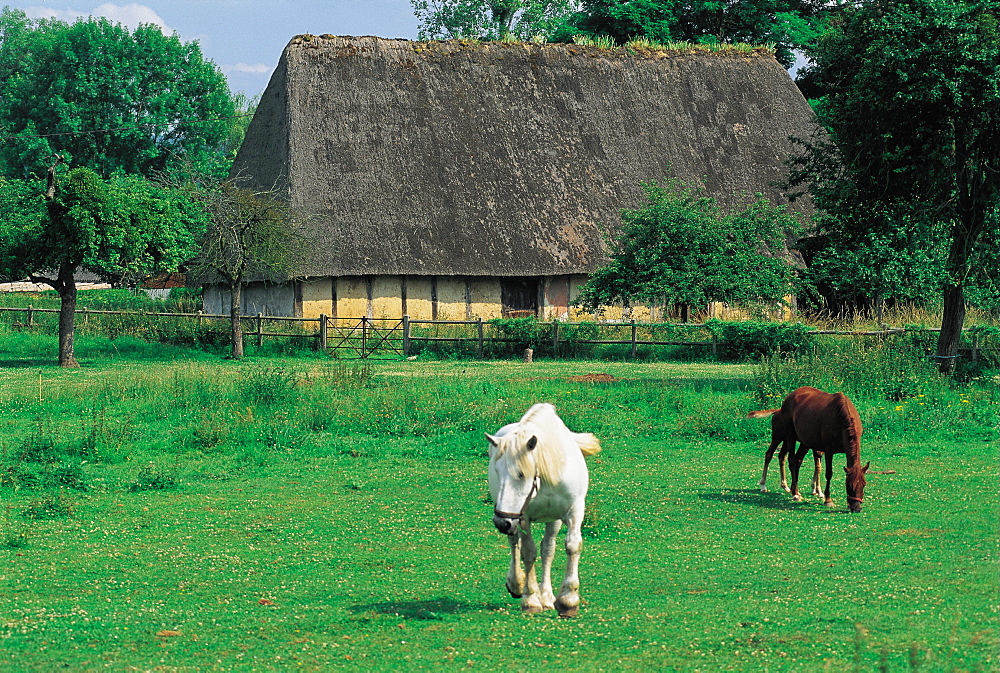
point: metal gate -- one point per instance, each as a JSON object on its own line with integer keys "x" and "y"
{"x": 368, "y": 338}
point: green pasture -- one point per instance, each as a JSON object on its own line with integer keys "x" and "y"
{"x": 165, "y": 510}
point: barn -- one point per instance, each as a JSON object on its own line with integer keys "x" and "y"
{"x": 463, "y": 179}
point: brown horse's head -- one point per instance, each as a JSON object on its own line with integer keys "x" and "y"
{"x": 856, "y": 486}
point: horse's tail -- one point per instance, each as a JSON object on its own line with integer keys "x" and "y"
{"x": 763, "y": 413}
{"x": 588, "y": 443}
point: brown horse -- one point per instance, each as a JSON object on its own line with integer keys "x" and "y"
{"x": 779, "y": 435}
{"x": 825, "y": 423}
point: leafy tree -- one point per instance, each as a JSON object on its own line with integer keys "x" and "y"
{"x": 253, "y": 235}
{"x": 108, "y": 99}
{"x": 123, "y": 229}
{"x": 912, "y": 105}
{"x": 490, "y": 19}
{"x": 789, "y": 24}
{"x": 881, "y": 256}
{"x": 680, "y": 248}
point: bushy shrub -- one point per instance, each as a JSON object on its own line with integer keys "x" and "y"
{"x": 751, "y": 339}
{"x": 889, "y": 369}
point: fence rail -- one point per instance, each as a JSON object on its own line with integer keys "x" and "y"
{"x": 395, "y": 337}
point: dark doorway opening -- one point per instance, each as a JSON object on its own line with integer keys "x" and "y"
{"x": 519, "y": 297}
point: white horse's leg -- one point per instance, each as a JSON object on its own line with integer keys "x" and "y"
{"x": 515, "y": 575}
{"x": 548, "y": 552}
{"x": 568, "y": 601}
{"x": 531, "y": 598}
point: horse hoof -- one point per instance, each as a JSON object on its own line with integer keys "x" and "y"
{"x": 763, "y": 489}
{"x": 797, "y": 498}
{"x": 830, "y": 503}
{"x": 566, "y": 609}
{"x": 512, "y": 594}
{"x": 532, "y": 609}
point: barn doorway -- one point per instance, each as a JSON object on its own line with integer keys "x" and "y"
{"x": 519, "y": 297}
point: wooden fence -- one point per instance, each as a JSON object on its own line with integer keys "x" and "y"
{"x": 398, "y": 337}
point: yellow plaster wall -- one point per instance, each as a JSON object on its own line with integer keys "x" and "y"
{"x": 352, "y": 297}
{"x": 723, "y": 311}
{"x": 317, "y": 297}
{"x": 352, "y": 300}
{"x": 451, "y": 298}
{"x": 387, "y": 298}
{"x": 485, "y": 295}
{"x": 419, "y": 298}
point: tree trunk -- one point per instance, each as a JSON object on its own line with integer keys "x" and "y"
{"x": 951, "y": 327}
{"x": 67, "y": 315}
{"x": 236, "y": 326}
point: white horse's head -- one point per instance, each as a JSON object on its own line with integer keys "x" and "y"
{"x": 514, "y": 469}
{"x": 523, "y": 457}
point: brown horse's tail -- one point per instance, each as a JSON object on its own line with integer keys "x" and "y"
{"x": 763, "y": 413}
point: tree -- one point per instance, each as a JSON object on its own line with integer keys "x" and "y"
{"x": 882, "y": 256}
{"x": 789, "y": 24}
{"x": 122, "y": 229}
{"x": 680, "y": 248}
{"x": 107, "y": 99}
{"x": 253, "y": 235}
{"x": 490, "y": 19}
{"x": 912, "y": 104}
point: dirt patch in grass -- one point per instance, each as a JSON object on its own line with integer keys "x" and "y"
{"x": 593, "y": 378}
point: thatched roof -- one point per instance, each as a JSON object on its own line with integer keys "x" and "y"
{"x": 504, "y": 159}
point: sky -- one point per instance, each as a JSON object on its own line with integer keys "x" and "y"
{"x": 244, "y": 38}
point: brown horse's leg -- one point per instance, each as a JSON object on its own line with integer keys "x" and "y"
{"x": 795, "y": 462}
{"x": 767, "y": 460}
{"x": 781, "y": 468}
{"x": 829, "y": 473}
{"x": 817, "y": 459}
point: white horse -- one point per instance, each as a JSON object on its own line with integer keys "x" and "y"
{"x": 538, "y": 473}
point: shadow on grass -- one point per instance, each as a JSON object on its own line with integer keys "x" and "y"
{"x": 27, "y": 364}
{"x": 434, "y": 608}
{"x": 752, "y": 497}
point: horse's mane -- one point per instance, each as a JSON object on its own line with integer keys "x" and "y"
{"x": 542, "y": 422}
{"x": 852, "y": 424}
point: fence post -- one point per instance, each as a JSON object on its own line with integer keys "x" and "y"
{"x": 555, "y": 338}
{"x": 715, "y": 346}
{"x": 975, "y": 346}
{"x": 200, "y": 312}
{"x": 406, "y": 336}
{"x": 479, "y": 341}
{"x": 260, "y": 330}
{"x": 30, "y": 311}
{"x": 634, "y": 344}
{"x": 322, "y": 332}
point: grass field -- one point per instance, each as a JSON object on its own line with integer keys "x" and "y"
{"x": 163, "y": 510}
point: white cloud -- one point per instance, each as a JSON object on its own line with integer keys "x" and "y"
{"x": 256, "y": 69}
{"x": 130, "y": 15}
{"x": 49, "y": 13}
